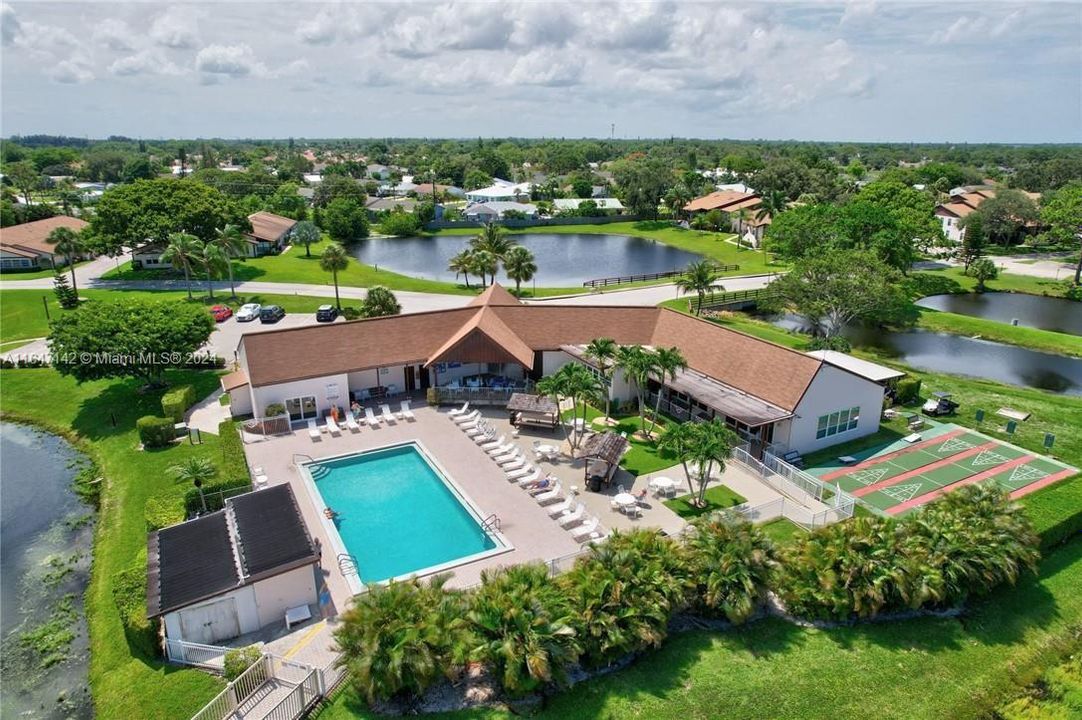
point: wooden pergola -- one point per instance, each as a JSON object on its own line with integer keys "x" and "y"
{"x": 542, "y": 410}
{"x": 608, "y": 448}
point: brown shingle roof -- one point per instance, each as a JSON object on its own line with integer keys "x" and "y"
{"x": 719, "y": 200}
{"x": 31, "y": 235}
{"x": 268, "y": 227}
{"x": 495, "y": 294}
{"x": 484, "y": 338}
{"x": 234, "y": 380}
{"x": 956, "y": 209}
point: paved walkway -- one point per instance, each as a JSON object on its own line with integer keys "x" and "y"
{"x": 207, "y": 413}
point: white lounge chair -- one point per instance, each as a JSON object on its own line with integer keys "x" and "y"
{"x": 517, "y": 464}
{"x": 489, "y": 435}
{"x": 572, "y": 518}
{"x": 584, "y": 531}
{"x": 460, "y": 411}
{"x": 510, "y": 454}
{"x": 510, "y": 458}
{"x": 370, "y": 417}
{"x": 467, "y": 418}
{"x": 351, "y": 423}
{"x": 493, "y": 443}
{"x": 478, "y": 430}
{"x": 386, "y": 414}
{"x": 549, "y": 494}
{"x": 313, "y": 431}
{"x": 531, "y": 478}
{"x": 406, "y": 413}
{"x": 522, "y": 472}
{"x": 501, "y": 449}
{"x": 332, "y": 426}
{"x": 472, "y": 425}
{"x": 561, "y": 507}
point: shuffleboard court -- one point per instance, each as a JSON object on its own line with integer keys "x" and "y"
{"x": 898, "y": 481}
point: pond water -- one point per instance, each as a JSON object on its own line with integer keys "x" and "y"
{"x": 563, "y": 260}
{"x": 959, "y": 355}
{"x": 45, "y": 542}
{"x": 1035, "y": 311}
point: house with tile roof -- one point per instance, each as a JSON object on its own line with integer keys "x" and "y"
{"x": 26, "y": 246}
{"x": 269, "y": 235}
{"x": 963, "y": 202}
{"x": 769, "y": 394}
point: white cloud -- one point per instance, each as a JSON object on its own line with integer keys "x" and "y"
{"x": 231, "y": 60}
{"x": 145, "y": 62}
{"x": 116, "y": 35}
{"x": 71, "y": 72}
{"x": 177, "y": 28}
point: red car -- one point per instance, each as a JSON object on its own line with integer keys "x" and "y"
{"x": 221, "y": 313}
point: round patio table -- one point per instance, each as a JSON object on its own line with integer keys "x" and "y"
{"x": 664, "y": 485}
{"x": 548, "y": 450}
{"x": 625, "y": 500}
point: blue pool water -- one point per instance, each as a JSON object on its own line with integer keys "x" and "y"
{"x": 396, "y": 515}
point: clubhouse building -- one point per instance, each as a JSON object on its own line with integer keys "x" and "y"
{"x": 496, "y": 346}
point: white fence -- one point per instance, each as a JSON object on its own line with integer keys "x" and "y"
{"x": 802, "y": 492}
{"x": 305, "y": 686}
{"x": 237, "y": 691}
{"x": 210, "y": 657}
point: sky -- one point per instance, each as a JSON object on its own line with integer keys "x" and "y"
{"x": 862, "y": 71}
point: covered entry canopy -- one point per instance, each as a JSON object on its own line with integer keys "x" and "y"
{"x": 607, "y": 448}
{"x": 533, "y": 409}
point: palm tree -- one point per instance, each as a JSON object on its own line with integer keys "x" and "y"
{"x": 213, "y": 259}
{"x": 379, "y": 301}
{"x": 520, "y": 266}
{"x": 676, "y": 198}
{"x": 231, "y": 240}
{"x": 463, "y": 264}
{"x": 638, "y": 365}
{"x": 669, "y": 362}
{"x": 523, "y": 626}
{"x": 493, "y": 239}
{"x": 69, "y": 243}
{"x": 305, "y": 233}
{"x": 197, "y": 471}
{"x": 576, "y": 382}
{"x": 334, "y": 260}
{"x": 732, "y": 563}
{"x": 602, "y": 351}
{"x": 485, "y": 264}
{"x": 183, "y": 251}
{"x": 699, "y": 278}
{"x": 704, "y": 444}
{"x": 68, "y": 196}
{"x": 772, "y": 204}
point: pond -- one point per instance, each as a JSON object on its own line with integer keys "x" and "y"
{"x": 45, "y": 543}
{"x": 563, "y": 259}
{"x": 960, "y": 355}
{"x": 1035, "y": 311}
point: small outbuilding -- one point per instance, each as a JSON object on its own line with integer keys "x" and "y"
{"x": 233, "y": 571}
{"x": 602, "y": 453}
{"x": 539, "y": 410}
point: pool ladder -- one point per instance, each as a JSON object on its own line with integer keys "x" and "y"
{"x": 490, "y": 523}
{"x": 347, "y": 564}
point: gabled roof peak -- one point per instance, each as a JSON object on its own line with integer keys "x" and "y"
{"x": 495, "y": 294}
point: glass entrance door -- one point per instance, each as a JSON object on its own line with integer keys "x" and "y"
{"x": 301, "y": 408}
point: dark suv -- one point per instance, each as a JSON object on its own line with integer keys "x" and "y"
{"x": 271, "y": 314}
{"x": 326, "y": 313}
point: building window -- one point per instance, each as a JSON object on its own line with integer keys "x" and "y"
{"x": 837, "y": 422}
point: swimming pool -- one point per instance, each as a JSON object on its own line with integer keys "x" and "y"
{"x": 398, "y": 513}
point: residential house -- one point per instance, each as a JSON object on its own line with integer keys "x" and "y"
{"x": 501, "y": 190}
{"x": 25, "y": 246}
{"x": 490, "y": 211}
{"x": 742, "y": 208}
{"x": 234, "y": 571}
{"x": 604, "y": 205}
{"x": 769, "y": 394}
{"x": 270, "y": 233}
{"x": 963, "y": 202}
{"x": 386, "y": 204}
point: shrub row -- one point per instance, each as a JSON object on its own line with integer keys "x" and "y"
{"x": 215, "y": 495}
{"x": 130, "y": 597}
{"x": 176, "y": 402}
{"x": 163, "y": 510}
{"x": 234, "y": 464}
{"x": 907, "y": 390}
{"x": 529, "y": 629}
{"x": 155, "y": 432}
{"x": 1056, "y": 512}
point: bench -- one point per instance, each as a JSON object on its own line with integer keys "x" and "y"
{"x": 297, "y": 615}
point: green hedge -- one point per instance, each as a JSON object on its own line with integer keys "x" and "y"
{"x": 908, "y": 390}
{"x": 238, "y": 660}
{"x": 177, "y": 401}
{"x": 214, "y": 495}
{"x": 234, "y": 465}
{"x": 163, "y": 510}
{"x": 155, "y": 432}
{"x": 130, "y": 597}
{"x": 1056, "y": 512}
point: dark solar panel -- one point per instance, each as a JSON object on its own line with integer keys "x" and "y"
{"x": 270, "y": 529}
{"x": 195, "y": 559}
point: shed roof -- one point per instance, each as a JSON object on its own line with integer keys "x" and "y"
{"x": 867, "y": 370}
{"x": 234, "y": 380}
{"x": 268, "y": 226}
{"x": 270, "y": 531}
{"x": 524, "y": 402}
{"x": 607, "y": 446}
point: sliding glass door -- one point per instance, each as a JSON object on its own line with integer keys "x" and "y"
{"x": 301, "y": 408}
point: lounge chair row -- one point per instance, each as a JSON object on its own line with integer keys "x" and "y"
{"x": 370, "y": 419}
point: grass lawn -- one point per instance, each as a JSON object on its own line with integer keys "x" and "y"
{"x": 782, "y": 531}
{"x": 37, "y": 274}
{"x": 1044, "y": 340}
{"x": 708, "y": 244}
{"x": 953, "y": 280}
{"x": 22, "y": 315}
{"x": 718, "y": 497}
{"x": 928, "y": 668}
{"x": 124, "y": 683}
{"x": 643, "y": 457}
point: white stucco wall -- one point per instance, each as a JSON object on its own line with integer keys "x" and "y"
{"x": 275, "y": 595}
{"x": 317, "y": 387}
{"x": 553, "y": 360}
{"x": 240, "y": 401}
{"x": 247, "y": 614}
{"x": 831, "y": 390}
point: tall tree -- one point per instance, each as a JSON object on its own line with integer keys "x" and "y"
{"x": 582, "y": 387}
{"x": 307, "y": 234}
{"x": 68, "y": 243}
{"x": 638, "y": 365}
{"x": 701, "y": 447}
{"x": 772, "y": 204}
{"x": 462, "y": 264}
{"x": 334, "y": 260}
{"x": 485, "y": 264}
{"x": 520, "y": 266}
{"x": 214, "y": 260}
{"x": 669, "y": 362}
{"x": 1062, "y": 212}
{"x": 379, "y": 301}
{"x": 602, "y": 352}
{"x": 699, "y": 278}
{"x": 182, "y": 252}
{"x": 1006, "y": 215}
{"x": 972, "y": 245}
{"x": 231, "y": 240}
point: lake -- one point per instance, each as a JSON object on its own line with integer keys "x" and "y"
{"x": 563, "y": 259}
{"x": 45, "y": 546}
{"x": 1035, "y": 311}
{"x": 960, "y": 355}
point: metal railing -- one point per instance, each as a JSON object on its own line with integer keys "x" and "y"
{"x": 477, "y": 396}
{"x": 299, "y": 700}
{"x": 347, "y": 564}
{"x": 210, "y": 657}
{"x": 713, "y": 300}
{"x": 490, "y": 523}
{"x": 236, "y": 692}
{"x": 624, "y": 279}
{"x": 800, "y": 490}
{"x": 306, "y": 686}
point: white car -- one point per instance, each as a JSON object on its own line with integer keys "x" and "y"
{"x": 248, "y": 312}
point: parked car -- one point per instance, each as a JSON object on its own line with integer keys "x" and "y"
{"x": 221, "y": 313}
{"x": 326, "y": 313}
{"x": 271, "y": 314}
{"x": 248, "y": 312}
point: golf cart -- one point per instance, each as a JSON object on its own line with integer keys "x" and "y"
{"x": 939, "y": 404}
